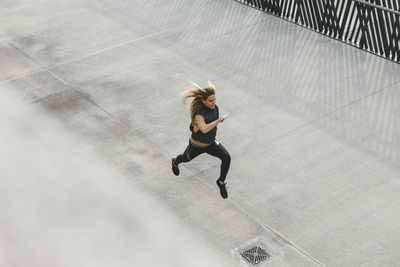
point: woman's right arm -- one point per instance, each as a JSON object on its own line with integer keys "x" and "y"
{"x": 203, "y": 126}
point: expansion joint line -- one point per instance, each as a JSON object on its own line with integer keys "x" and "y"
{"x": 100, "y": 51}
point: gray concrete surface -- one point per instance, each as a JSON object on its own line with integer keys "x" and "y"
{"x": 313, "y": 131}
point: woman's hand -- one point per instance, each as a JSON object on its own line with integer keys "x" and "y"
{"x": 223, "y": 117}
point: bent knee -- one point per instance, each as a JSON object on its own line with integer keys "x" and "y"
{"x": 226, "y": 157}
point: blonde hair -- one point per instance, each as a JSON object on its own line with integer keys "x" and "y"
{"x": 197, "y": 94}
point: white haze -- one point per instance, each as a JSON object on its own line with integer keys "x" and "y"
{"x": 60, "y": 206}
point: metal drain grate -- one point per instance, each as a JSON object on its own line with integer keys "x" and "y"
{"x": 255, "y": 255}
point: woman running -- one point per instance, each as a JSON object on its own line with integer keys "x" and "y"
{"x": 205, "y": 117}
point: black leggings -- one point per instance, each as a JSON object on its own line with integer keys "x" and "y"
{"x": 215, "y": 149}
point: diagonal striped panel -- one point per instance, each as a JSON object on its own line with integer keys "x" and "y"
{"x": 372, "y": 25}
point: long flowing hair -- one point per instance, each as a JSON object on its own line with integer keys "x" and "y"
{"x": 197, "y": 94}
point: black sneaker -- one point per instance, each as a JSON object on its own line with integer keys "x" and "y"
{"x": 222, "y": 189}
{"x": 175, "y": 169}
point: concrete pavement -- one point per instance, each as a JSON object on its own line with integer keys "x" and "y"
{"x": 313, "y": 131}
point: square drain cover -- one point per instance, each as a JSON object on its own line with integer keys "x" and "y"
{"x": 255, "y": 255}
